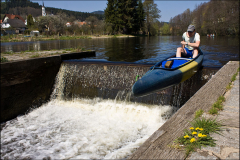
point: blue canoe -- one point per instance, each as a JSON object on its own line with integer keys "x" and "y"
{"x": 159, "y": 77}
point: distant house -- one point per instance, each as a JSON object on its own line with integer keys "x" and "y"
{"x": 80, "y": 24}
{"x": 11, "y": 16}
{"x": 68, "y": 24}
{"x": 13, "y": 24}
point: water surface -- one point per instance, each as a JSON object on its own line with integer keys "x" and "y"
{"x": 217, "y": 51}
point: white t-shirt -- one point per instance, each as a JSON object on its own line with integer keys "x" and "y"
{"x": 192, "y": 39}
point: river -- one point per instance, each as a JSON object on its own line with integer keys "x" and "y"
{"x": 217, "y": 50}
{"x": 103, "y": 124}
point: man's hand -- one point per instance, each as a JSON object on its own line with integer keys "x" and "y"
{"x": 183, "y": 42}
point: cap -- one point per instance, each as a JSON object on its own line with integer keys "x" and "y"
{"x": 191, "y": 28}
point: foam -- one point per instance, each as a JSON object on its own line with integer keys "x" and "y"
{"x": 81, "y": 128}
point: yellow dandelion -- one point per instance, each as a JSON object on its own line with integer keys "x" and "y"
{"x": 200, "y": 129}
{"x": 191, "y": 128}
{"x": 204, "y": 135}
{"x": 186, "y": 136}
{"x": 192, "y": 140}
{"x": 200, "y": 135}
{"x": 194, "y": 133}
{"x": 197, "y": 128}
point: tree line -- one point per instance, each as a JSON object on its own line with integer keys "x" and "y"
{"x": 215, "y": 17}
{"x": 121, "y": 16}
{"x": 132, "y": 17}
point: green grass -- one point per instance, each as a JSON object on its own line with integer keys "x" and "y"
{"x": 217, "y": 106}
{"x": 198, "y": 135}
{"x": 222, "y": 99}
{"x": 198, "y": 113}
{"x": 77, "y": 49}
{"x": 229, "y": 86}
{"x": 21, "y": 38}
{"x": 213, "y": 111}
{"x": 70, "y": 49}
{"x": 8, "y": 52}
{"x": 234, "y": 76}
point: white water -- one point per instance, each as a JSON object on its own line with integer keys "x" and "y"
{"x": 81, "y": 128}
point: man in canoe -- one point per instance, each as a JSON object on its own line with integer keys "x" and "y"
{"x": 190, "y": 43}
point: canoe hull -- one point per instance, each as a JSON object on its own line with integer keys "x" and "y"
{"x": 158, "y": 79}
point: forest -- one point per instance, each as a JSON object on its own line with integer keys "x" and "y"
{"x": 219, "y": 17}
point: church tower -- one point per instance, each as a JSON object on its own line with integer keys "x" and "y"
{"x": 43, "y": 10}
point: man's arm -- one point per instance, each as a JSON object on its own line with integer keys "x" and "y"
{"x": 196, "y": 44}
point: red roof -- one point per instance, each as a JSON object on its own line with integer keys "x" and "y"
{"x": 81, "y": 23}
{"x": 11, "y": 16}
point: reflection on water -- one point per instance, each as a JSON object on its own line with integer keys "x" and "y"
{"x": 218, "y": 50}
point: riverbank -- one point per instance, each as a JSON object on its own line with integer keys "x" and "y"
{"x": 158, "y": 146}
{"x": 23, "y": 38}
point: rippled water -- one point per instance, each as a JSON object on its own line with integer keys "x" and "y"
{"x": 217, "y": 51}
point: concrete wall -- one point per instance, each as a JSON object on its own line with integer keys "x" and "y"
{"x": 29, "y": 83}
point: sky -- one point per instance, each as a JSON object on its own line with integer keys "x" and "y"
{"x": 168, "y": 9}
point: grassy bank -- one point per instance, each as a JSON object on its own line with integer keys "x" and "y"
{"x": 23, "y": 38}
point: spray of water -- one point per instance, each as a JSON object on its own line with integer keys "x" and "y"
{"x": 81, "y": 128}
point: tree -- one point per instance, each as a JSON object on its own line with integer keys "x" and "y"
{"x": 152, "y": 14}
{"x": 110, "y": 14}
{"x": 165, "y": 29}
{"x": 30, "y": 22}
{"x": 123, "y": 15}
{"x": 56, "y": 23}
{"x": 92, "y": 20}
{"x": 218, "y": 17}
{"x": 140, "y": 16}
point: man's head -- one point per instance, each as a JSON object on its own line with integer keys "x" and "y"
{"x": 191, "y": 29}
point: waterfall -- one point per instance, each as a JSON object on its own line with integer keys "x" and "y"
{"x": 81, "y": 121}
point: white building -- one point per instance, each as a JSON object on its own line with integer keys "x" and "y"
{"x": 43, "y": 10}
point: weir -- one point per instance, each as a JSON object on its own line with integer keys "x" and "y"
{"x": 107, "y": 80}
{"x": 92, "y": 114}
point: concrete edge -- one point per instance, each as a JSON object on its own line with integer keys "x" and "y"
{"x": 20, "y": 65}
